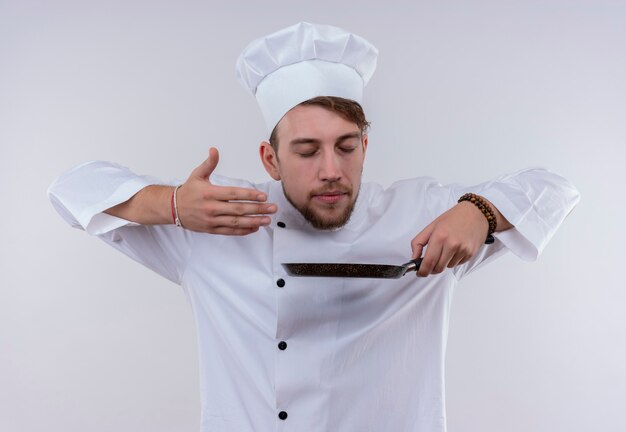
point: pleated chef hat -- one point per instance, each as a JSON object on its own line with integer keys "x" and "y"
{"x": 304, "y": 61}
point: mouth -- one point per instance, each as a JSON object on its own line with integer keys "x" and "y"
{"x": 331, "y": 197}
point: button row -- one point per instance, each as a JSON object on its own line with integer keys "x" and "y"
{"x": 282, "y": 345}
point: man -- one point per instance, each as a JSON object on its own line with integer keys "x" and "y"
{"x": 314, "y": 354}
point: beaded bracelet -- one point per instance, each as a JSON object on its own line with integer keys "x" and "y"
{"x": 486, "y": 209}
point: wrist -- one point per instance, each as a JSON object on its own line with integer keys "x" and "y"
{"x": 146, "y": 207}
{"x": 502, "y": 224}
{"x": 152, "y": 205}
{"x": 174, "y": 207}
{"x": 485, "y": 207}
{"x": 155, "y": 205}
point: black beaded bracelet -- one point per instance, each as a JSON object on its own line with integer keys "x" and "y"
{"x": 486, "y": 209}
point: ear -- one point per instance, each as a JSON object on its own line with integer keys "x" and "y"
{"x": 365, "y": 141}
{"x": 269, "y": 159}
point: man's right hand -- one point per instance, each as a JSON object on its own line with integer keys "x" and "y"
{"x": 209, "y": 208}
{"x": 202, "y": 206}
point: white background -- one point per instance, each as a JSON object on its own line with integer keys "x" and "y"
{"x": 464, "y": 91}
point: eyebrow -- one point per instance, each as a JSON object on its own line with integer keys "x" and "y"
{"x": 341, "y": 138}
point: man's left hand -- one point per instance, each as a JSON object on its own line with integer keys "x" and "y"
{"x": 453, "y": 238}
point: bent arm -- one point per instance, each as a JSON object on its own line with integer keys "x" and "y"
{"x": 83, "y": 197}
{"x": 529, "y": 205}
{"x": 100, "y": 196}
{"x": 535, "y": 202}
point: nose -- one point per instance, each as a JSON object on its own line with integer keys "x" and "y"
{"x": 330, "y": 169}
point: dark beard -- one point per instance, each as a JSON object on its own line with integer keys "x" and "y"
{"x": 320, "y": 223}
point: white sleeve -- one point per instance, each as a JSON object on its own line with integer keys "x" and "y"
{"x": 535, "y": 201}
{"x": 82, "y": 194}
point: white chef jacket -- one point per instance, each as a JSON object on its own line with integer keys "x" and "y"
{"x": 358, "y": 354}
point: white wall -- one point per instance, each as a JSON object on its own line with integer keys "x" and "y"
{"x": 90, "y": 341}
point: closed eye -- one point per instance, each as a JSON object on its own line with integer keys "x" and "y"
{"x": 307, "y": 154}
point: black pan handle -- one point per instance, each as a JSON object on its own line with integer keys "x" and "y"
{"x": 413, "y": 265}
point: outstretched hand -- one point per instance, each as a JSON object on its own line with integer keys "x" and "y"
{"x": 453, "y": 239}
{"x": 209, "y": 208}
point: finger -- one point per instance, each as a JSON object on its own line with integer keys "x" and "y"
{"x": 231, "y": 193}
{"x": 451, "y": 249}
{"x": 456, "y": 259}
{"x": 246, "y": 209}
{"x": 206, "y": 168}
{"x": 431, "y": 258}
{"x": 447, "y": 254}
{"x": 420, "y": 241}
{"x": 239, "y": 208}
{"x": 418, "y": 248}
{"x": 233, "y": 231}
{"x": 240, "y": 221}
{"x": 465, "y": 259}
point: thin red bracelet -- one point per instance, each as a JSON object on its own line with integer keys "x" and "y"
{"x": 176, "y": 217}
{"x": 172, "y": 205}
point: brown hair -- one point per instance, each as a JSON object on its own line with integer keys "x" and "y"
{"x": 346, "y": 108}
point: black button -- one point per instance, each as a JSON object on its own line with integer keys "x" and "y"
{"x": 282, "y": 345}
{"x": 280, "y": 283}
{"x": 282, "y": 225}
{"x": 282, "y": 415}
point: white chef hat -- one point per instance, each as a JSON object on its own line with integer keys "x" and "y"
{"x": 304, "y": 61}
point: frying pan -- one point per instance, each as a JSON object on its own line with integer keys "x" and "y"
{"x": 376, "y": 271}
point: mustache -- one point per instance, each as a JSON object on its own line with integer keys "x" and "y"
{"x": 337, "y": 188}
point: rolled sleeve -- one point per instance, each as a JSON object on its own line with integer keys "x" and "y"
{"x": 535, "y": 202}
{"x": 82, "y": 194}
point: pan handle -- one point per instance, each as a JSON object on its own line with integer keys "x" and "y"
{"x": 413, "y": 265}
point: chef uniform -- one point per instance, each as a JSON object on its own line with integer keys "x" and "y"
{"x": 281, "y": 353}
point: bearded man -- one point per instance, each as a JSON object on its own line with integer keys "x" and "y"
{"x": 289, "y": 353}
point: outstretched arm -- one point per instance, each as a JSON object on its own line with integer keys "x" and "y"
{"x": 132, "y": 214}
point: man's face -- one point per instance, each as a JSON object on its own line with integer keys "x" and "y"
{"x": 320, "y": 161}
